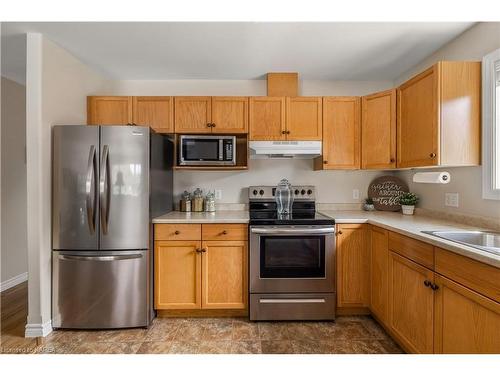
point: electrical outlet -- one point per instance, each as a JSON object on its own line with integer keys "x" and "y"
{"x": 218, "y": 194}
{"x": 355, "y": 194}
{"x": 451, "y": 199}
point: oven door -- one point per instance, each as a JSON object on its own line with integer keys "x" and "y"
{"x": 292, "y": 259}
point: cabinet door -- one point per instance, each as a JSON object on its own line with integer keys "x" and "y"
{"x": 411, "y": 304}
{"x": 229, "y": 114}
{"x": 353, "y": 265}
{"x": 109, "y": 110}
{"x": 192, "y": 114}
{"x": 418, "y": 120}
{"x": 154, "y": 111}
{"x": 304, "y": 119}
{"x": 224, "y": 275}
{"x": 267, "y": 119}
{"x": 177, "y": 275}
{"x": 341, "y": 132}
{"x": 465, "y": 321}
{"x": 379, "y": 297}
{"x": 378, "y": 130}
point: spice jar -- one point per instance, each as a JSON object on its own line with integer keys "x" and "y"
{"x": 197, "y": 205}
{"x": 185, "y": 204}
{"x": 210, "y": 202}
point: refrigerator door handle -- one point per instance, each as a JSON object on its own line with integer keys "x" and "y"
{"x": 104, "y": 258}
{"x": 104, "y": 189}
{"x": 90, "y": 189}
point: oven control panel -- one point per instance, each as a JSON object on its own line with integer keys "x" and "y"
{"x": 300, "y": 192}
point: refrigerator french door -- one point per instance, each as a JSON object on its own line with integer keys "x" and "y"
{"x": 101, "y": 197}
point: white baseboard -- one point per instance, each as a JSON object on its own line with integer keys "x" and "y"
{"x": 38, "y": 330}
{"x": 12, "y": 282}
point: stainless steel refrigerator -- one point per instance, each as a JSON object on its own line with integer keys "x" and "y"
{"x": 107, "y": 184}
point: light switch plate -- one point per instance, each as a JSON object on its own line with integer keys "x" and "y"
{"x": 355, "y": 194}
{"x": 218, "y": 194}
{"x": 451, "y": 199}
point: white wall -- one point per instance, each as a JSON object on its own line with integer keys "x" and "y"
{"x": 14, "y": 254}
{"x": 57, "y": 84}
{"x": 333, "y": 186}
{"x": 472, "y": 45}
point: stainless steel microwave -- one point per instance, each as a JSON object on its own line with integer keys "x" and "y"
{"x": 207, "y": 150}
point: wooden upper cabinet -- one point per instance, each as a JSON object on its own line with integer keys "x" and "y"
{"x": 154, "y": 111}
{"x": 193, "y": 114}
{"x": 411, "y": 304}
{"x": 224, "y": 275}
{"x": 229, "y": 114}
{"x": 267, "y": 118}
{"x": 304, "y": 118}
{"x": 109, "y": 110}
{"x": 353, "y": 265}
{"x": 378, "y": 130}
{"x": 465, "y": 321}
{"x": 177, "y": 275}
{"x": 379, "y": 275}
{"x": 341, "y": 133}
{"x": 439, "y": 116}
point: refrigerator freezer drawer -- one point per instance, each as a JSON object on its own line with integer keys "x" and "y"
{"x": 105, "y": 289}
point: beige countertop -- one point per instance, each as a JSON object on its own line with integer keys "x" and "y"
{"x": 236, "y": 217}
{"x": 411, "y": 226}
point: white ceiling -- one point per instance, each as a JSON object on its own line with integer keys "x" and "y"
{"x": 247, "y": 50}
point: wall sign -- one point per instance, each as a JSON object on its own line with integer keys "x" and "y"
{"x": 385, "y": 192}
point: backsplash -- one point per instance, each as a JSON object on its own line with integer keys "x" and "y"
{"x": 331, "y": 186}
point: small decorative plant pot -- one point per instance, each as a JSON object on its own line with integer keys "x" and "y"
{"x": 368, "y": 207}
{"x": 407, "y": 210}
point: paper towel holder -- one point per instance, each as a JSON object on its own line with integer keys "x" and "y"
{"x": 432, "y": 177}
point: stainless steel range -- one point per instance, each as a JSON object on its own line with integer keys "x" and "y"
{"x": 292, "y": 258}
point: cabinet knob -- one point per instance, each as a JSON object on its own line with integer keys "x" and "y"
{"x": 392, "y": 160}
{"x": 339, "y": 232}
{"x": 224, "y": 232}
{"x": 434, "y": 287}
{"x": 199, "y": 251}
{"x": 177, "y": 232}
{"x": 209, "y": 125}
{"x": 432, "y": 155}
{"x": 283, "y": 132}
{"x": 213, "y": 125}
{"x": 325, "y": 161}
{"x": 288, "y": 132}
{"x": 427, "y": 283}
{"x": 203, "y": 250}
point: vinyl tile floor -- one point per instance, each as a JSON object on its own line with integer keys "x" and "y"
{"x": 349, "y": 334}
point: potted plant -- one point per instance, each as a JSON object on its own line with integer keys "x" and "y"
{"x": 408, "y": 202}
{"x": 368, "y": 206}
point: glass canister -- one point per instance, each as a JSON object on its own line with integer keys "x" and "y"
{"x": 284, "y": 197}
{"x": 197, "y": 205}
{"x": 185, "y": 204}
{"x": 210, "y": 202}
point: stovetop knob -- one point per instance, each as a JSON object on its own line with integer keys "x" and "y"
{"x": 296, "y": 191}
{"x": 302, "y": 192}
{"x": 309, "y": 192}
{"x": 261, "y": 192}
{"x": 254, "y": 192}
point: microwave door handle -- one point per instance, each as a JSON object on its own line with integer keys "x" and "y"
{"x": 221, "y": 149}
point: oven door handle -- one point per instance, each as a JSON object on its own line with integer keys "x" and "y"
{"x": 295, "y": 231}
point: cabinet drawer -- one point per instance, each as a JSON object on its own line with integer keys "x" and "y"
{"x": 222, "y": 232}
{"x": 177, "y": 232}
{"x": 480, "y": 277}
{"x": 418, "y": 251}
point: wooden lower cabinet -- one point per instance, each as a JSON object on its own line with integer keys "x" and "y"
{"x": 224, "y": 265}
{"x": 353, "y": 265}
{"x": 177, "y": 275}
{"x": 465, "y": 321}
{"x": 411, "y": 304}
{"x": 379, "y": 275}
{"x": 191, "y": 274}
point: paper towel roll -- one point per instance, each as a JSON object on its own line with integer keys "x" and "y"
{"x": 432, "y": 177}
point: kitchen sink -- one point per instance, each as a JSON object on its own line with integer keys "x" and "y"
{"x": 482, "y": 240}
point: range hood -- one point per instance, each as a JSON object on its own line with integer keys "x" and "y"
{"x": 284, "y": 149}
